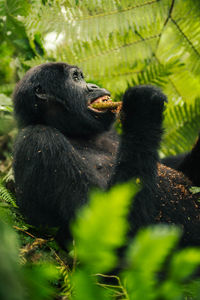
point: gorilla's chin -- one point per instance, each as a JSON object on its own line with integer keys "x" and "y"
{"x": 96, "y": 124}
{"x": 102, "y": 121}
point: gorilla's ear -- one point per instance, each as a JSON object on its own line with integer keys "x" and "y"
{"x": 42, "y": 95}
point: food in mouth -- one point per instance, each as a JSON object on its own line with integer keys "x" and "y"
{"x": 104, "y": 103}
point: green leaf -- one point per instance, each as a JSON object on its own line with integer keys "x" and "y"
{"x": 184, "y": 263}
{"x": 195, "y": 189}
{"x": 86, "y": 287}
{"x": 101, "y": 227}
{"x": 145, "y": 257}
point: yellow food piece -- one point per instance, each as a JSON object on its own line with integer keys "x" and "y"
{"x": 106, "y": 105}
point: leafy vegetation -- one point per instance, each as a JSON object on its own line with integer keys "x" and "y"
{"x": 117, "y": 43}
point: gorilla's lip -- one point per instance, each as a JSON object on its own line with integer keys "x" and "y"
{"x": 99, "y": 100}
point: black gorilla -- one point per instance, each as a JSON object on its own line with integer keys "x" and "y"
{"x": 65, "y": 147}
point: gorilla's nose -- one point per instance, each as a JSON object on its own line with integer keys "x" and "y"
{"x": 91, "y": 87}
{"x": 95, "y": 90}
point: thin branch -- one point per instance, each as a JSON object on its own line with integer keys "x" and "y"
{"x": 169, "y": 14}
{"x": 185, "y": 37}
{"x": 24, "y": 231}
{"x": 159, "y": 37}
{"x": 165, "y": 24}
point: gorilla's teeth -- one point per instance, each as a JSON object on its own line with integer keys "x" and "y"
{"x": 102, "y": 99}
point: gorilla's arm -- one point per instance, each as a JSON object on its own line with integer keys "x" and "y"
{"x": 142, "y": 114}
{"x": 142, "y": 128}
{"x": 50, "y": 181}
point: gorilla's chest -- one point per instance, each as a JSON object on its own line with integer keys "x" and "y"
{"x": 98, "y": 157}
{"x": 100, "y": 162}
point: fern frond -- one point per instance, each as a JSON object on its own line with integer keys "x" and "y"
{"x": 86, "y": 19}
{"x": 93, "y": 39}
{"x": 155, "y": 73}
{"x": 182, "y": 123}
{"x": 6, "y": 196}
{"x": 187, "y": 52}
{"x": 66, "y": 288}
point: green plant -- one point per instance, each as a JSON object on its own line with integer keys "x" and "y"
{"x": 22, "y": 282}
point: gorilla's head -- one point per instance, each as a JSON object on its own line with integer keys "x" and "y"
{"x": 57, "y": 95}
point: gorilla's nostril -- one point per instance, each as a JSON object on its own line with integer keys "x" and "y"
{"x": 91, "y": 87}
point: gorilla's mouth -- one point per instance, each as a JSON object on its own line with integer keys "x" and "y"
{"x": 100, "y": 104}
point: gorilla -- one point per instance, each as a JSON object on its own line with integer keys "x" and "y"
{"x": 65, "y": 147}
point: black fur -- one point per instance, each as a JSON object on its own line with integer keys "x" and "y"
{"x": 64, "y": 148}
{"x": 188, "y": 163}
{"x": 173, "y": 161}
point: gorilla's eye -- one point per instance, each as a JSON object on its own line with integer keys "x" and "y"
{"x": 76, "y": 75}
{"x": 38, "y": 89}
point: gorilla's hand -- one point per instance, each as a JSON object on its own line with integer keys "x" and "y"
{"x": 142, "y": 107}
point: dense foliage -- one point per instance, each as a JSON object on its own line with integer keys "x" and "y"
{"x": 117, "y": 43}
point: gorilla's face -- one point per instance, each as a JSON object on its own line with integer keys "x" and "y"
{"x": 56, "y": 94}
